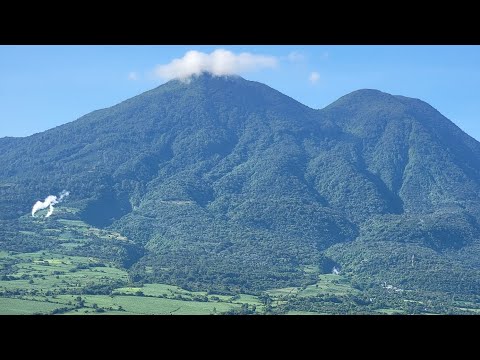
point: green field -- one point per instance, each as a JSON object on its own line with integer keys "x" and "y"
{"x": 284, "y": 292}
{"x": 157, "y": 306}
{"x": 38, "y": 273}
{"x": 390, "y": 311}
{"x": 329, "y": 283}
{"x": 12, "y": 306}
{"x": 294, "y": 312}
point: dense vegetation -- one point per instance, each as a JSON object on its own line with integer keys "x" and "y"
{"x": 228, "y": 186}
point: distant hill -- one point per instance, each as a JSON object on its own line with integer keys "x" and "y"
{"x": 229, "y": 184}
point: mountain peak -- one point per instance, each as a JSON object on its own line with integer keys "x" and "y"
{"x": 365, "y": 96}
{"x": 364, "y": 92}
{"x": 364, "y": 101}
{"x": 207, "y": 77}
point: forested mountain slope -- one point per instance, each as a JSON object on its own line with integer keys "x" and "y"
{"x": 228, "y": 184}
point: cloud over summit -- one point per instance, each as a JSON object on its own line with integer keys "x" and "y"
{"x": 219, "y": 62}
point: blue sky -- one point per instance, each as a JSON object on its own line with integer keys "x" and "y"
{"x": 45, "y": 86}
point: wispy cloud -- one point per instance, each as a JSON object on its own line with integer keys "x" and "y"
{"x": 314, "y": 77}
{"x": 219, "y": 62}
{"x": 133, "y": 76}
{"x": 325, "y": 55}
{"x": 295, "y": 57}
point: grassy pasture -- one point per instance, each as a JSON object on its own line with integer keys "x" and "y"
{"x": 12, "y": 306}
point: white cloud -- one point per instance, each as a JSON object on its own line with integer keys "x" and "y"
{"x": 219, "y": 62}
{"x": 295, "y": 57}
{"x": 325, "y": 55}
{"x": 133, "y": 76}
{"x": 314, "y": 77}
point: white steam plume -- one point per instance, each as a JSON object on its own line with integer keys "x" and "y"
{"x": 49, "y": 202}
{"x": 219, "y": 63}
{"x": 50, "y": 211}
{"x": 63, "y": 195}
{"x": 40, "y": 205}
